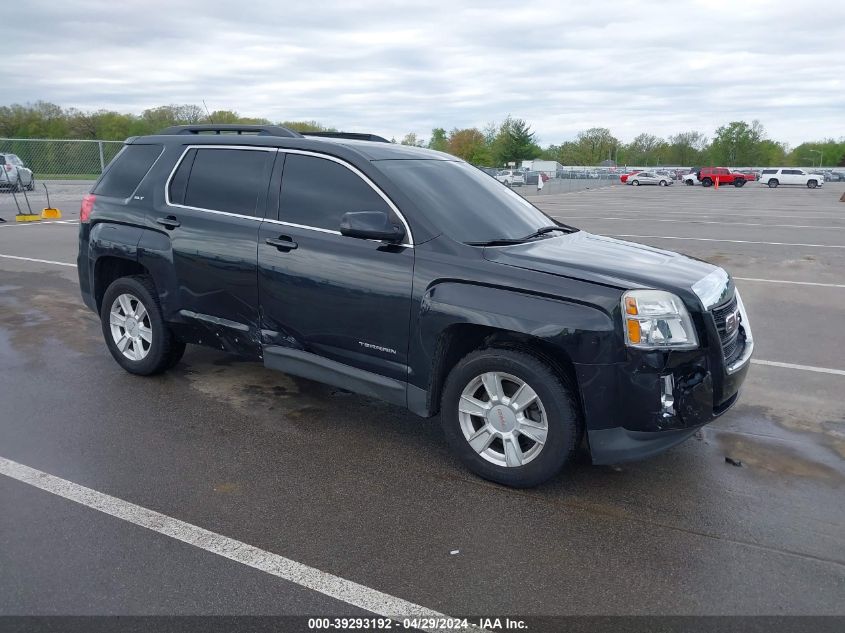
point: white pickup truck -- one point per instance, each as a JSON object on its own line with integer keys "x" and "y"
{"x": 511, "y": 177}
{"x": 775, "y": 177}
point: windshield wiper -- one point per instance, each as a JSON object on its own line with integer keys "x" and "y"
{"x": 500, "y": 242}
{"x": 565, "y": 228}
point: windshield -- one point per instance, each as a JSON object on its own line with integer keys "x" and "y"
{"x": 464, "y": 202}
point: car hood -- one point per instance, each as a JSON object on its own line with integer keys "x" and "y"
{"x": 609, "y": 261}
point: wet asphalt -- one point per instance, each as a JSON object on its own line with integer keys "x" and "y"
{"x": 370, "y": 493}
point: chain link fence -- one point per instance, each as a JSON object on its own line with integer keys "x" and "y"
{"x": 62, "y": 159}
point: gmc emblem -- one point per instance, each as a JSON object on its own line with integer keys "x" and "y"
{"x": 732, "y": 322}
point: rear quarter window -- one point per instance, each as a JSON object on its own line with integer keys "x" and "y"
{"x": 127, "y": 170}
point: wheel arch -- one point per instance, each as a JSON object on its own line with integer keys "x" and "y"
{"x": 109, "y": 268}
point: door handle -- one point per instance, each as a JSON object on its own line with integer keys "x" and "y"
{"x": 282, "y": 243}
{"x": 170, "y": 222}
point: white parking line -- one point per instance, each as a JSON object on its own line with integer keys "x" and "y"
{"x": 764, "y": 224}
{"x": 40, "y": 261}
{"x": 39, "y": 223}
{"x": 820, "y": 370}
{"x": 322, "y": 582}
{"x": 784, "y": 281}
{"x": 712, "y": 239}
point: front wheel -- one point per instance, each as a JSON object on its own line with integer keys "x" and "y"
{"x": 773, "y": 183}
{"x": 689, "y": 183}
{"x": 509, "y": 417}
{"x": 662, "y": 183}
{"x": 812, "y": 184}
{"x": 707, "y": 182}
{"x": 134, "y": 328}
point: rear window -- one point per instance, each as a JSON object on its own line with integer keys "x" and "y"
{"x": 127, "y": 170}
{"x": 229, "y": 180}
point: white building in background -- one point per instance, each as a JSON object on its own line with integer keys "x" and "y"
{"x": 548, "y": 167}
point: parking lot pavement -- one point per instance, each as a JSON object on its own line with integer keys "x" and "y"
{"x": 367, "y": 492}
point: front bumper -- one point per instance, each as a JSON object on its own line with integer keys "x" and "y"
{"x": 655, "y": 400}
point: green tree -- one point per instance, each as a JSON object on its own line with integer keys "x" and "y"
{"x": 470, "y": 145}
{"x": 646, "y": 149}
{"x": 594, "y": 145}
{"x": 737, "y": 143}
{"x": 411, "y": 139}
{"x": 439, "y": 141}
{"x": 687, "y": 149}
{"x": 514, "y": 142}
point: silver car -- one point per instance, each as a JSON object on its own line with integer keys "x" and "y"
{"x": 650, "y": 178}
{"x": 14, "y": 174}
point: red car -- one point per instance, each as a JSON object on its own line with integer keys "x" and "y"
{"x": 624, "y": 177}
{"x": 709, "y": 175}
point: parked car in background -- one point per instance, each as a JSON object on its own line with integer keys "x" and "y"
{"x": 649, "y": 178}
{"x": 709, "y": 175}
{"x": 14, "y": 175}
{"x": 793, "y": 176}
{"x": 691, "y": 179}
{"x": 531, "y": 177}
{"x": 834, "y": 176}
{"x": 511, "y": 177}
{"x": 624, "y": 177}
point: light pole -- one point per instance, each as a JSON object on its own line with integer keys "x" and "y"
{"x": 821, "y": 155}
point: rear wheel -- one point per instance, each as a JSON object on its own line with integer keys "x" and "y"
{"x": 812, "y": 184}
{"x": 636, "y": 183}
{"x": 689, "y": 183}
{"x": 509, "y": 417}
{"x": 773, "y": 183}
{"x": 134, "y": 328}
{"x": 707, "y": 182}
{"x": 739, "y": 183}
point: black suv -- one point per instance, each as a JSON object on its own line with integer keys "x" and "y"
{"x": 409, "y": 275}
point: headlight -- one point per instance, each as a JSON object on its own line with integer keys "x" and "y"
{"x": 655, "y": 319}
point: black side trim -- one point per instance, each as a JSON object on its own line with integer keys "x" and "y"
{"x": 215, "y": 320}
{"x": 330, "y": 372}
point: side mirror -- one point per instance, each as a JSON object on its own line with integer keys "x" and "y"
{"x": 370, "y": 225}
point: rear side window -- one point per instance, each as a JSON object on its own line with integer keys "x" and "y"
{"x": 229, "y": 180}
{"x": 770, "y": 171}
{"x": 317, "y": 192}
{"x": 127, "y": 170}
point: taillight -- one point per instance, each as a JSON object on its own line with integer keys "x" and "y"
{"x": 87, "y": 207}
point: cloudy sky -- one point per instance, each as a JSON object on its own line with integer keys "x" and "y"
{"x": 395, "y": 67}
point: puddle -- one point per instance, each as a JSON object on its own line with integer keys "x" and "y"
{"x": 775, "y": 457}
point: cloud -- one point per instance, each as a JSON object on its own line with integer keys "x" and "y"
{"x": 395, "y": 67}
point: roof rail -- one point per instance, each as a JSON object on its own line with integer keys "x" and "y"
{"x": 355, "y": 136}
{"x": 213, "y": 128}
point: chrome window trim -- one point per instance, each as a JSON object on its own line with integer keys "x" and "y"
{"x": 409, "y": 242}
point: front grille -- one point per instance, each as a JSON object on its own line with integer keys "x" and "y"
{"x": 732, "y": 342}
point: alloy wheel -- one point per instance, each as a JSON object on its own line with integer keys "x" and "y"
{"x": 130, "y": 327}
{"x": 503, "y": 419}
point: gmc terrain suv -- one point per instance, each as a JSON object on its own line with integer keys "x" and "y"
{"x": 408, "y": 275}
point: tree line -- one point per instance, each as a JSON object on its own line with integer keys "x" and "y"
{"x": 737, "y": 143}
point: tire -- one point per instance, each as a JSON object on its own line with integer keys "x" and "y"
{"x": 555, "y": 407}
{"x": 739, "y": 183}
{"x": 31, "y": 185}
{"x": 636, "y": 183}
{"x": 812, "y": 184}
{"x": 707, "y": 182}
{"x": 141, "y": 355}
{"x": 773, "y": 183}
{"x": 662, "y": 183}
{"x": 689, "y": 183}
